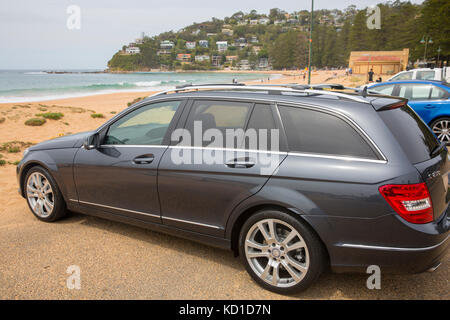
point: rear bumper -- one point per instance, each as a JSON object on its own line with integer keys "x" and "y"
{"x": 392, "y": 259}
{"x": 390, "y": 242}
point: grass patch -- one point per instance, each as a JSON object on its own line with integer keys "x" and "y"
{"x": 2, "y": 119}
{"x": 135, "y": 100}
{"x": 2, "y": 162}
{"x": 97, "y": 115}
{"x": 35, "y": 122}
{"x": 14, "y": 162}
{"x": 51, "y": 115}
{"x": 13, "y": 149}
{"x": 42, "y": 109}
{"x": 113, "y": 112}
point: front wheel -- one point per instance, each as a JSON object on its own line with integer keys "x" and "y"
{"x": 43, "y": 195}
{"x": 441, "y": 128}
{"x": 280, "y": 252}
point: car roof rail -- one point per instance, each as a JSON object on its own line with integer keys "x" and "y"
{"x": 271, "y": 89}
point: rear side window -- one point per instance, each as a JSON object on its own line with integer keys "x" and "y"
{"x": 386, "y": 89}
{"x": 411, "y": 133}
{"x": 414, "y": 91}
{"x": 403, "y": 76}
{"x": 221, "y": 115}
{"x": 438, "y": 93}
{"x": 322, "y": 133}
{"x": 262, "y": 119}
{"x": 425, "y": 75}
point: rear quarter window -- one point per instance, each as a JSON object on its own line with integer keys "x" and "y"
{"x": 318, "y": 132}
{"x": 412, "y": 134}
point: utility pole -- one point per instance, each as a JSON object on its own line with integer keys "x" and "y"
{"x": 310, "y": 41}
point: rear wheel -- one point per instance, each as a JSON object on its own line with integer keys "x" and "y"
{"x": 281, "y": 253}
{"x": 441, "y": 128}
{"x": 43, "y": 195}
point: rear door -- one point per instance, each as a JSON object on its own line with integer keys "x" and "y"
{"x": 200, "y": 181}
{"x": 423, "y": 151}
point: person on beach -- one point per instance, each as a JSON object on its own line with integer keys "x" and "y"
{"x": 371, "y": 73}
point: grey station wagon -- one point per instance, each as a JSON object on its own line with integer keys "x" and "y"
{"x": 353, "y": 180}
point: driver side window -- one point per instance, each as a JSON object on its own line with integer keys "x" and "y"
{"x": 144, "y": 126}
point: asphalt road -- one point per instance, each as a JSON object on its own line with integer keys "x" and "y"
{"x": 119, "y": 261}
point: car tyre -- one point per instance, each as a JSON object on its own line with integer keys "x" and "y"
{"x": 280, "y": 252}
{"x": 43, "y": 195}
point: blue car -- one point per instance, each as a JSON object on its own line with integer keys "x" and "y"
{"x": 430, "y": 99}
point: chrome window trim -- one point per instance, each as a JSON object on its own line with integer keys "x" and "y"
{"x": 362, "y": 246}
{"x": 191, "y": 222}
{"x": 228, "y": 149}
{"x": 344, "y": 158}
{"x": 132, "y": 146}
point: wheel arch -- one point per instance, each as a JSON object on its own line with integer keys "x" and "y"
{"x": 248, "y": 212}
{"x": 26, "y": 168}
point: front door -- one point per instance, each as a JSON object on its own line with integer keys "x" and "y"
{"x": 120, "y": 176}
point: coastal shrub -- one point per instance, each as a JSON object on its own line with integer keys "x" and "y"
{"x": 51, "y": 115}
{"x": 97, "y": 115}
{"x": 135, "y": 100}
{"x": 2, "y": 119}
{"x": 13, "y": 149}
{"x": 35, "y": 122}
{"x": 2, "y": 162}
{"x": 113, "y": 112}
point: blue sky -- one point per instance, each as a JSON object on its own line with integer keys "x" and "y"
{"x": 34, "y": 35}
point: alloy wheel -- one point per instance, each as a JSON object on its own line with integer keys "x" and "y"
{"x": 442, "y": 130}
{"x": 277, "y": 253}
{"x": 40, "y": 195}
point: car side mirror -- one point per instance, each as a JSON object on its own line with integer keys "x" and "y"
{"x": 91, "y": 142}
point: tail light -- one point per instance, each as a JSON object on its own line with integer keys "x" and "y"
{"x": 411, "y": 201}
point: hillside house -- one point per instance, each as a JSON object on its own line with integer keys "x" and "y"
{"x": 184, "y": 57}
{"x": 222, "y": 46}
{"x": 190, "y": 45}
{"x": 203, "y": 43}
{"x": 201, "y": 58}
{"x": 167, "y": 44}
{"x": 132, "y": 50}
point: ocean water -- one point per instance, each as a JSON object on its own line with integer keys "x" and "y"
{"x": 38, "y": 85}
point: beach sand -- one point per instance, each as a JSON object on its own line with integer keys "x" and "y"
{"x": 77, "y": 112}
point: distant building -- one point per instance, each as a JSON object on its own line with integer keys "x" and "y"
{"x": 231, "y": 58}
{"x": 242, "y": 23}
{"x": 132, "y": 50}
{"x": 244, "y": 65}
{"x": 264, "y": 21}
{"x": 216, "y": 61}
{"x": 256, "y": 49}
{"x": 190, "y": 45}
{"x": 253, "y": 39}
{"x": 201, "y": 58}
{"x": 196, "y": 32}
{"x": 139, "y": 40}
{"x": 241, "y": 42}
{"x": 211, "y": 34}
{"x": 184, "y": 57}
{"x": 222, "y": 46}
{"x": 227, "y": 32}
{"x": 203, "y": 43}
{"x": 263, "y": 64}
{"x": 382, "y": 62}
{"x": 278, "y": 22}
{"x": 163, "y": 52}
{"x": 167, "y": 44}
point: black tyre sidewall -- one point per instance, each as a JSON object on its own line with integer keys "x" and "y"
{"x": 59, "y": 208}
{"x": 316, "y": 251}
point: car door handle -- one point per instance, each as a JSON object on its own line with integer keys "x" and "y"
{"x": 144, "y": 159}
{"x": 430, "y": 106}
{"x": 237, "y": 163}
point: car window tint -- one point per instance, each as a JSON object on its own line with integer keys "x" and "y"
{"x": 322, "y": 133}
{"x": 403, "y": 76}
{"x": 144, "y": 126}
{"x": 221, "y": 115}
{"x": 262, "y": 123}
{"x": 425, "y": 75}
{"x": 413, "y": 91}
{"x": 386, "y": 90}
{"x": 438, "y": 93}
